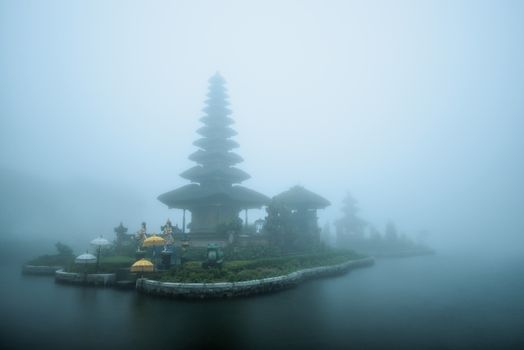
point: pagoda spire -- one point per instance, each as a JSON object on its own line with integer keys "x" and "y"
{"x": 214, "y": 157}
{"x": 214, "y": 196}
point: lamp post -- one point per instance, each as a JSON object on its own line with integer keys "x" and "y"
{"x": 184, "y": 222}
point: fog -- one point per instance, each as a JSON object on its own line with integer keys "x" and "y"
{"x": 414, "y": 107}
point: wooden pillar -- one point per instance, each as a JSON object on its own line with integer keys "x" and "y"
{"x": 184, "y": 221}
{"x": 245, "y": 215}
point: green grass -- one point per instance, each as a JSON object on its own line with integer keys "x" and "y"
{"x": 242, "y": 270}
{"x": 231, "y": 271}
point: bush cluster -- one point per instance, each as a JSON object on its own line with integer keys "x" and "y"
{"x": 52, "y": 260}
{"x": 64, "y": 257}
{"x": 242, "y": 270}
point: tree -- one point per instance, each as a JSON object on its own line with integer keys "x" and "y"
{"x": 63, "y": 249}
{"x": 231, "y": 227}
{"x": 326, "y": 232}
{"x": 350, "y": 226}
{"x": 279, "y": 226}
{"x": 374, "y": 235}
{"x": 391, "y": 233}
{"x": 291, "y": 229}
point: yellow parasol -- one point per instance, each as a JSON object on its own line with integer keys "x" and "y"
{"x": 153, "y": 241}
{"x": 143, "y": 265}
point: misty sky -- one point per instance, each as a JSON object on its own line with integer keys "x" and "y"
{"x": 416, "y": 107}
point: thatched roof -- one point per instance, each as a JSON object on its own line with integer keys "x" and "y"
{"x": 216, "y": 131}
{"x": 221, "y": 157}
{"x": 215, "y": 144}
{"x": 298, "y": 197}
{"x": 194, "y": 195}
{"x": 199, "y": 174}
{"x": 217, "y": 120}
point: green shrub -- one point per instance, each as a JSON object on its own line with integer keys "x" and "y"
{"x": 242, "y": 270}
{"x": 63, "y": 249}
{"x": 63, "y": 257}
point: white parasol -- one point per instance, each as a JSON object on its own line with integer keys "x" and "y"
{"x": 99, "y": 243}
{"x": 85, "y": 258}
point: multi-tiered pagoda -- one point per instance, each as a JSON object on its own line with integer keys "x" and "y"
{"x": 214, "y": 195}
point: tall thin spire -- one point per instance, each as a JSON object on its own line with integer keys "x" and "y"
{"x": 214, "y": 195}
{"x": 214, "y": 157}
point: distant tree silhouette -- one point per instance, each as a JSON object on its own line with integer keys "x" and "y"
{"x": 391, "y": 234}
{"x": 350, "y": 227}
{"x": 63, "y": 249}
{"x": 326, "y": 231}
{"x": 374, "y": 235}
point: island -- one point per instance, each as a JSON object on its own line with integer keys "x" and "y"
{"x": 220, "y": 253}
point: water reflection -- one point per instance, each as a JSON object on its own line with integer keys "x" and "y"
{"x": 428, "y": 302}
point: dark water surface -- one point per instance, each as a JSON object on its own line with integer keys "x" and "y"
{"x": 432, "y": 302}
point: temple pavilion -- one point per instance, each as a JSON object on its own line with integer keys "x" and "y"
{"x": 303, "y": 205}
{"x": 214, "y": 195}
{"x": 297, "y": 198}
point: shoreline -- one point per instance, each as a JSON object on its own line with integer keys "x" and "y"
{"x": 40, "y": 269}
{"x": 244, "y": 288}
{"x": 213, "y": 290}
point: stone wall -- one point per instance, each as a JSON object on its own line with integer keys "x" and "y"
{"x": 245, "y": 288}
{"x": 97, "y": 279}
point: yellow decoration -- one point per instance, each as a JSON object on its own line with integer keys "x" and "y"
{"x": 153, "y": 241}
{"x": 142, "y": 265}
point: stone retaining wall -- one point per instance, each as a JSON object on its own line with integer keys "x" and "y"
{"x": 40, "y": 270}
{"x": 245, "y": 288}
{"x": 97, "y": 279}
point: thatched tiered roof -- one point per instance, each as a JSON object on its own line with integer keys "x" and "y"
{"x": 298, "y": 197}
{"x": 215, "y": 174}
{"x": 194, "y": 195}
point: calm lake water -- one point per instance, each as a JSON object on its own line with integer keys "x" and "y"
{"x": 432, "y": 302}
